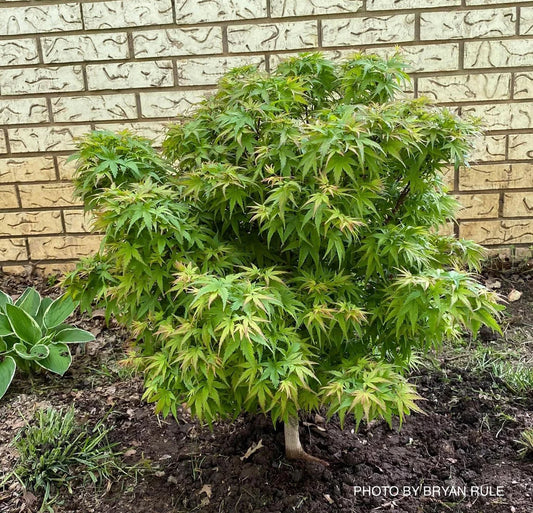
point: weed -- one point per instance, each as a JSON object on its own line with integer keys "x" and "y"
{"x": 526, "y": 443}
{"x": 56, "y": 452}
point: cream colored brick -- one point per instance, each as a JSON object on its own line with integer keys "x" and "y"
{"x": 502, "y": 116}
{"x": 446, "y": 230}
{"x": 55, "y": 268}
{"x": 93, "y": 47}
{"x": 8, "y": 197}
{"x": 499, "y": 54}
{"x": 17, "y": 269}
{"x": 37, "y": 19}
{"x": 468, "y": 24}
{"x": 23, "y": 111}
{"x": 478, "y": 205}
{"x": 129, "y": 75}
{"x": 375, "y": 5}
{"x": 170, "y": 104}
{"x": 94, "y": 108}
{"x": 66, "y": 168}
{"x": 43, "y": 139}
{"x": 77, "y": 221}
{"x": 219, "y": 10}
{"x": 209, "y": 70}
{"x": 518, "y": 204}
{"x": 41, "y": 80}
{"x": 523, "y": 85}
{"x": 3, "y": 144}
{"x": 489, "y": 148}
{"x": 526, "y": 20}
{"x": 273, "y": 36}
{"x": 281, "y": 8}
{"x": 460, "y": 88}
{"x": 126, "y": 13}
{"x": 492, "y": 2}
{"x": 13, "y": 250}
{"x": 448, "y": 177}
{"x": 68, "y": 246}
{"x": 496, "y": 176}
{"x": 498, "y": 232}
{"x": 427, "y": 57}
{"x": 521, "y": 146}
{"x": 16, "y": 52}
{"x": 47, "y": 195}
{"x": 153, "y": 130}
{"x": 368, "y": 30}
{"x": 28, "y": 169}
{"x": 176, "y": 42}
{"x": 29, "y": 223}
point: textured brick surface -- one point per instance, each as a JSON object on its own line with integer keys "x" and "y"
{"x": 126, "y": 13}
{"x": 462, "y": 88}
{"x": 29, "y": 169}
{"x": 67, "y": 67}
{"x": 63, "y": 246}
{"x": 8, "y": 197}
{"x": 94, "y": 108}
{"x": 496, "y": 176}
{"x": 468, "y": 24}
{"x": 23, "y": 110}
{"x": 161, "y": 104}
{"x": 29, "y": 223}
{"x": 478, "y": 205}
{"x": 94, "y": 47}
{"x": 280, "y": 8}
{"x": 371, "y": 30}
{"x": 498, "y": 232}
{"x": 176, "y": 42}
{"x": 129, "y": 75}
{"x": 41, "y": 80}
{"x": 273, "y": 36}
{"x": 47, "y": 195}
{"x": 40, "y": 18}
{"x": 207, "y": 71}
{"x": 221, "y": 10}
{"x": 17, "y": 52}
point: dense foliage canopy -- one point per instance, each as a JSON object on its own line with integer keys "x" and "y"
{"x": 284, "y": 252}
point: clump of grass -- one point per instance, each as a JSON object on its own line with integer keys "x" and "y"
{"x": 56, "y": 452}
{"x": 526, "y": 443}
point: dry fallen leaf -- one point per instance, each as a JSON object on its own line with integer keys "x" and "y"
{"x": 252, "y": 449}
{"x": 327, "y": 496}
{"x": 493, "y": 284}
{"x": 514, "y": 295}
{"x": 207, "y": 489}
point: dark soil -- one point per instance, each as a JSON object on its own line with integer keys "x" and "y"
{"x": 461, "y": 450}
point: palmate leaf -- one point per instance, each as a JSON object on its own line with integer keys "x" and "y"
{"x": 7, "y": 371}
{"x": 313, "y": 170}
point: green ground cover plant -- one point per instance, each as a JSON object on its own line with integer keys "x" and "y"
{"x": 34, "y": 336}
{"x": 285, "y": 254}
{"x": 54, "y": 452}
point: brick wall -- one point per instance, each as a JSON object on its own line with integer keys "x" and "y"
{"x": 68, "y": 67}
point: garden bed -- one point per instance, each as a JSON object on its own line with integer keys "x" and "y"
{"x": 466, "y": 438}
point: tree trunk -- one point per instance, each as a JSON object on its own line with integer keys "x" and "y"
{"x": 293, "y": 446}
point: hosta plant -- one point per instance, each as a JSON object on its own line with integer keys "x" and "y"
{"x": 292, "y": 258}
{"x": 33, "y": 335}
